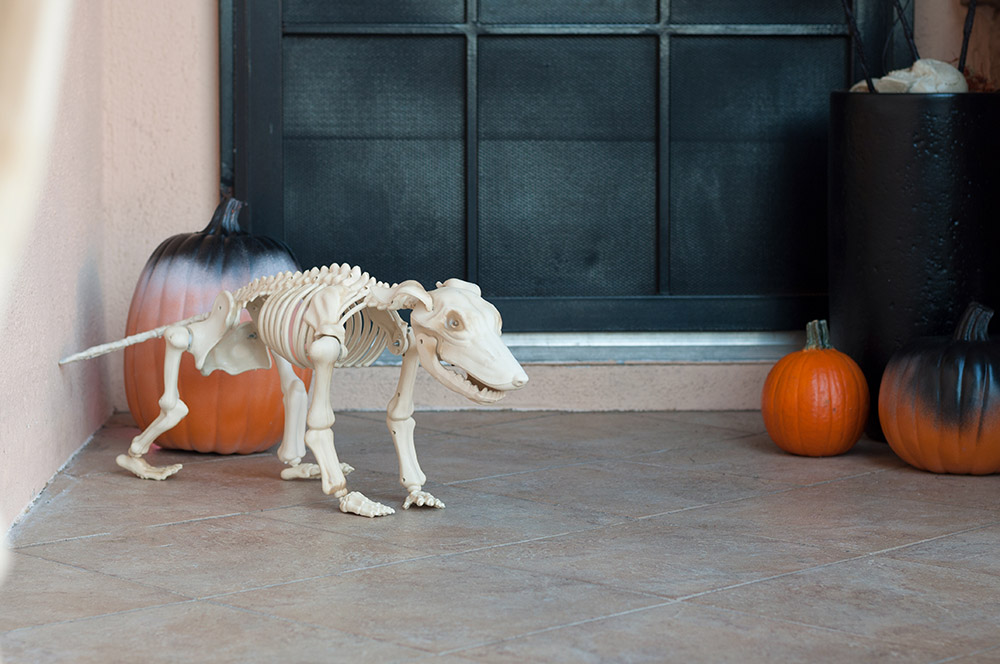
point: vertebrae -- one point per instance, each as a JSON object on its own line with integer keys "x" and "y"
{"x": 345, "y": 276}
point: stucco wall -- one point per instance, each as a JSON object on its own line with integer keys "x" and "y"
{"x": 134, "y": 157}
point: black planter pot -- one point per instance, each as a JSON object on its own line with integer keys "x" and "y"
{"x": 914, "y": 219}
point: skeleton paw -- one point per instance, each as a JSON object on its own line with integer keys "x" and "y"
{"x": 421, "y": 499}
{"x": 356, "y": 503}
{"x": 141, "y": 468}
{"x": 302, "y": 471}
{"x": 309, "y": 471}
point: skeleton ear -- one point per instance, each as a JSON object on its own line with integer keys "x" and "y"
{"x": 406, "y": 295}
{"x": 464, "y": 285}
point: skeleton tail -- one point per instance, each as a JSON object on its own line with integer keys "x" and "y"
{"x": 110, "y": 347}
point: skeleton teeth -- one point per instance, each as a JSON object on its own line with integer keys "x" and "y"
{"x": 463, "y": 379}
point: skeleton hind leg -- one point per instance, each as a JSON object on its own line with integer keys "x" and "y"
{"x": 172, "y": 411}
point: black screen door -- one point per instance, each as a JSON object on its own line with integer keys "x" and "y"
{"x": 593, "y": 165}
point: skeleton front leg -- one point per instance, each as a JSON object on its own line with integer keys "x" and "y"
{"x": 324, "y": 353}
{"x": 172, "y": 411}
{"x": 399, "y": 418}
{"x": 293, "y": 444}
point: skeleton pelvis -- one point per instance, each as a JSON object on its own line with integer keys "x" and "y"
{"x": 239, "y": 350}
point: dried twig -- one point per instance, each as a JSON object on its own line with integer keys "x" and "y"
{"x": 970, "y": 16}
{"x": 907, "y": 32}
{"x": 852, "y": 26}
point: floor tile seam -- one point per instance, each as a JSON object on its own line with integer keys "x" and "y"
{"x": 198, "y": 519}
{"x": 785, "y": 486}
{"x": 526, "y": 472}
{"x": 552, "y": 628}
{"x": 336, "y": 514}
{"x": 790, "y": 486}
{"x": 813, "y": 568}
{"x": 316, "y": 577}
{"x": 799, "y": 623}
{"x": 531, "y": 540}
{"x": 250, "y": 513}
{"x": 588, "y": 510}
{"x": 425, "y": 557}
{"x": 532, "y": 416}
{"x": 960, "y": 656}
{"x": 14, "y": 546}
{"x": 184, "y": 462}
{"x": 306, "y": 623}
{"x": 559, "y": 466}
{"x": 729, "y": 501}
{"x": 925, "y": 563}
{"x": 70, "y": 621}
{"x": 575, "y": 531}
{"x": 944, "y": 503}
{"x": 688, "y": 445}
{"x": 668, "y": 415}
{"x": 130, "y": 581}
{"x": 512, "y": 567}
{"x": 787, "y": 489}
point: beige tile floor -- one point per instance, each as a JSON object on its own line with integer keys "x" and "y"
{"x": 568, "y": 537}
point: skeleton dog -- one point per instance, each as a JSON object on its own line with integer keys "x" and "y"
{"x": 322, "y": 319}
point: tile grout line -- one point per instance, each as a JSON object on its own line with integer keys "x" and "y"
{"x": 822, "y": 628}
{"x": 100, "y": 615}
{"x": 140, "y": 583}
{"x": 954, "y": 658}
{"x": 22, "y": 547}
{"x": 686, "y": 598}
{"x": 429, "y": 556}
{"x": 755, "y": 496}
{"x": 165, "y": 524}
{"x": 862, "y": 556}
{"x": 553, "y": 628}
{"x": 292, "y": 621}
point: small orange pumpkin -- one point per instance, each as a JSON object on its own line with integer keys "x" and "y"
{"x": 815, "y": 400}
{"x": 939, "y": 400}
{"x": 228, "y": 414}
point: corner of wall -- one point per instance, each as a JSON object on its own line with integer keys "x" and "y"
{"x": 134, "y": 158}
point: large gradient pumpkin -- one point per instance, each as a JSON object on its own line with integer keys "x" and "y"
{"x": 939, "y": 401}
{"x": 228, "y": 414}
{"x": 815, "y": 400}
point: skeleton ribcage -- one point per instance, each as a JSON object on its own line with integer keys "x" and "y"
{"x": 283, "y": 327}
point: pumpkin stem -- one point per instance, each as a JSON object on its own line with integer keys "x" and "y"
{"x": 817, "y": 335}
{"x": 974, "y": 323}
{"x": 225, "y": 220}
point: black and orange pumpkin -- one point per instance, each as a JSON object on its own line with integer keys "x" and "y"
{"x": 939, "y": 401}
{"x": 228, "y": 414}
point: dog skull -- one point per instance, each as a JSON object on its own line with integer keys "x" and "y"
{"x": 458, "y": 342}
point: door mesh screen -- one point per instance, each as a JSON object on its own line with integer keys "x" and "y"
{"x": 742, "y": 11}
{"x": 374, "y": 154}
{"x": 747, "y": 162}
{"x": 567, "y": 165}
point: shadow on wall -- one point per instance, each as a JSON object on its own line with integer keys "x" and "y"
{"x": 32, "y": 36}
